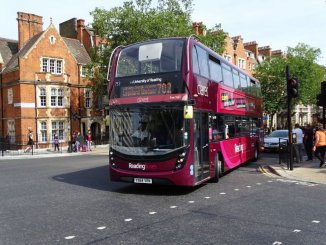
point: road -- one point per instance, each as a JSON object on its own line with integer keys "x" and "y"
{"x": 69, "y": 200}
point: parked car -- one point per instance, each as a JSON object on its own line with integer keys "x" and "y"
{"x": 272, "y": 141}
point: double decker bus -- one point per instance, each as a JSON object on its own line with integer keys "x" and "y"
{"x": 179, "y": 113}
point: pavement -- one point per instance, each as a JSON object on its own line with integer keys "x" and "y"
{"x": 305, "y": 171}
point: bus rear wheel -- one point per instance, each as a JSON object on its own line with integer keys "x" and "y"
{"x": 218, "y": 168}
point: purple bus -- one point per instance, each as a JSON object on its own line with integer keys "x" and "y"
{"x": 179, "y": 113}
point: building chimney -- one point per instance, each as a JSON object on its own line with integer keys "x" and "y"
{"x": 253, "y": 47}
{"x": 29, "y": 25}
{"x": 198, "y": 28}
{"x": 80, "y": 29}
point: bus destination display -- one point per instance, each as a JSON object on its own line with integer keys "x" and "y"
{"x": 146, "y": 89}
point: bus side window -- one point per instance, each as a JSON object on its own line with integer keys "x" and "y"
{"x": 218, "y": 128}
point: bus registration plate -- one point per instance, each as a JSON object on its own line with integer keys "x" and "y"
{"x": 142, "y": 181}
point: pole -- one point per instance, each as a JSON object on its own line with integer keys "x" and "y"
{"x": 289, "y": 98}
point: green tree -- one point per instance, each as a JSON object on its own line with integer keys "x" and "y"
{"x": 140, "y": 20}
{"x": 302, "y": 60}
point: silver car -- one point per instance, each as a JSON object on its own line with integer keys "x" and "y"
{"x": 272, "y": 141}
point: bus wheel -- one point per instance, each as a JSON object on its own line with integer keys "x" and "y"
{"x": 256, "y": 155}
{"x": 218, "y": 168}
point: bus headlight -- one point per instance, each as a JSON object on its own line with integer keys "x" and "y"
{"x": 180, "y": 160}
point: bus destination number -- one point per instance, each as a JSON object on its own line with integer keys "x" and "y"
{"x": 146, "y": 89}
{"x": 142, "y": 181}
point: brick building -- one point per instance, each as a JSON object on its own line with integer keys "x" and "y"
{"x": 43, "y": 83}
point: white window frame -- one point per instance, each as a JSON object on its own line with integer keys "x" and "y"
{"x": 57, "y": 97}
{"x": 42, "y": 97}
{"x": 52, "y": 65}
{"x": 88, "y": 98}
{"x": 58, "y": 128}
{"x": 241, "y": 63}
{"x": 83, "y": 71}
{"x": 44, "y": 131}
{"x": 228, "y": 58}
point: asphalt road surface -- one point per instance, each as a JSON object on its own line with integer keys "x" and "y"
{"x": 70, "y": 200}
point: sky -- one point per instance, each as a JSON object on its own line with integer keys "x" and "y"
{"x": 277, "y": 23}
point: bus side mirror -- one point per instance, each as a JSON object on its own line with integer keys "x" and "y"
{"x": 188, "y": 112}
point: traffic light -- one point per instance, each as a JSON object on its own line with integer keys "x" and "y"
{"x": 321, "y": 100}
{"x": 293, "y": 87}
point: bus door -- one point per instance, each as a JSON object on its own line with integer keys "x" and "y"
{"x": 201, "y": 146}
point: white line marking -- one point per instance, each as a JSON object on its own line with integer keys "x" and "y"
{"x": 296, "y": 230}
{"x": 173, "y": 206}
{"x": 191, "y": 201}
{"x": 222, "y": 193}
{"x": 315, "y": 221}
{"x": 277, "y": 243}
{"x": 270, "y": 181}
{"x": 236, "y": 189}
{"x": 127, "y": 220}
{"x": 249, "y": 186}
{"x": 152, "y": 212}
{"x": 69, "y": 237}
{"x": 258, "y": 183}
{"x": 207, "y": 197}
{"x": 101, "y": 227}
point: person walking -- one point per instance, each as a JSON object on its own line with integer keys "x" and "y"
{"x": 89, "y": 140}
{"x": 320, "y": 144}
{"x": 30, "y": 142}
{"x": 308, "y": 141}
{"x": 56, "y": 142}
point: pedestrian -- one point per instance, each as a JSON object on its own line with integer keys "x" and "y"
{"x": 320, "y": 144}
{"x": 56, "y": 142}
{"x": 299, "y": 147}
{"x": 77, "y": 142}
{"x": 30, "y": 141}
{"x": 308, "y": 141}
{"x": 89, "y": 140}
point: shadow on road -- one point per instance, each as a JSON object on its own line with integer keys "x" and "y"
{"x": 98, "y": 178}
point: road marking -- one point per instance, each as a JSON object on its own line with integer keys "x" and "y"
{"x": 315, "y": 221}
{"x": 69, "y": 237}
{"x": 191, "y": 201}
{"x": 152, "y": 212}
{"x": 236, "y": 189}
{"x": 270, "y": 181}
{"x": 277, "y": 243}
{"x": 258, "y": 183}
{"x": 101, "y": 227}
{"x": 127, "y": 220}
{"x": 207, "y": 197}
{"x": 249, "y": 186}
{"x": 296, "y": 231}
{"x": 222, "y": 193}
{"x": 305, "y": 183}
{"x": 173, "y": 206}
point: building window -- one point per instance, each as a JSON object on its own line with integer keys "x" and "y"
{"x": 83, "y": 71}
{"x": 42, "y": 97}
{"x": 52, "y": 39}
{"x": 58, "y": 128}
{"x": 45, "y": 64}
{"x": 52, "y": 65}
{"x": 88, "y": 99}
{"x": 10, "y": 96}
{"x": 11, "y": 131}
{"x": 228, "y": 58}
{"x": 241, "y": 63}
{"x": 59, "y": 66}
{"x": 44, "y": 132}
{"x": 56, "y": 97}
